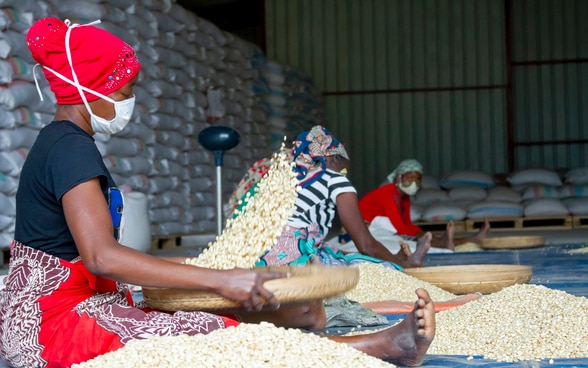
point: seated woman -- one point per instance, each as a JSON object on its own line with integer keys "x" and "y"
{"x": 66, "y": 298}
{"x": 392, "y": 200}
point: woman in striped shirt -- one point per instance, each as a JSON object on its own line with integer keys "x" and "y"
{"x": 321, "y": 162}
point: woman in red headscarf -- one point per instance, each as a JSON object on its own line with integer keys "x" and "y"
{"x": 62, "y": 304}
{"x": 66, "y": 298}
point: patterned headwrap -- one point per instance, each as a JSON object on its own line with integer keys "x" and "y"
{"x": 404, "y": 167}
{"x": 101, "y": 61}
{"x": 310, "y": 150}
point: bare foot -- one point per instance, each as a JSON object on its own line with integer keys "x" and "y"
{"x": 447, "y": 238}
{"x": 482, "y": 233}
{"x": 422, "y": 247}
{"x": 405, "y": 343}
{"x": 423, "y": 240}
{"x": 404, "y": 251}
{"x": 415, "y": 259}
{"x": 410, "y": 339}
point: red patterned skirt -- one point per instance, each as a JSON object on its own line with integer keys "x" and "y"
{"x": 55, "y": 313}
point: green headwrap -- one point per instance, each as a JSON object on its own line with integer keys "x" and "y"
{"x": 404, "y": 167}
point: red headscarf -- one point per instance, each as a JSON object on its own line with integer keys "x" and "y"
{"x": 102, "y": 62}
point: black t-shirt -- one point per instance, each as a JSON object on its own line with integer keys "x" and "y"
{"x": 62, "y": 157}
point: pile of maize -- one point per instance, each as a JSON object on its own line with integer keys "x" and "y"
{"x": 520, "y": 322}
{"x": 257, "y": 227}
{"x": 247, "y": 345}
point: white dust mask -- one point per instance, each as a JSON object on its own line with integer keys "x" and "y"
{"x": 123, "y": 111}
{"x": 410, "y": 189}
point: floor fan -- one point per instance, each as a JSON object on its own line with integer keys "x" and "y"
{"x": 218, "y": 139}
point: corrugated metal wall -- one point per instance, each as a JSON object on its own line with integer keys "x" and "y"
{"x": 550, "y": 82}
{"x": 428, "y": 79}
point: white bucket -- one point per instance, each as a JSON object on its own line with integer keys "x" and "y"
{"x": 135, "y": 232}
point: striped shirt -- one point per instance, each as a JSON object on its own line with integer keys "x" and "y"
{"x": 317, "y": 203}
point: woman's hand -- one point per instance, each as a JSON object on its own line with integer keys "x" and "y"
{"x": 246, "y": 287}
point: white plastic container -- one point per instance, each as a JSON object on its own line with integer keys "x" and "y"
{"x": 136, "y": 232}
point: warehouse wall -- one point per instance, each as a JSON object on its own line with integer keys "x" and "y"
{"x": 435, "y": 80}
{"x": 550, "y": 82}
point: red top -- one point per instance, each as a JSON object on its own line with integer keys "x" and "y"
{"x": 388, "y": 201}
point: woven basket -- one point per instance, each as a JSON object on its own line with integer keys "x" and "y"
{"x": 306, "y": 283}
{"x": 466, "y": 279}
{"x": 512, "y": 242}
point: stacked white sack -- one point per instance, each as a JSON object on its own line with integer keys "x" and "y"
{"x": 22, "y": 114}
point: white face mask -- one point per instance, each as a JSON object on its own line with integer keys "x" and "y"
{"x": 409, "y": 189}
{"x": 123, "y": 109}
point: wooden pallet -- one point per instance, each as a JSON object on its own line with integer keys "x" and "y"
{"x": 580, "y": 222}
{"x": 435, "y": 226}
{"x": 522, "y": 223}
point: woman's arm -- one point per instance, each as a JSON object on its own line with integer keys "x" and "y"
{"x": 352, "y": 220}
{"x": 89, "y": 221}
